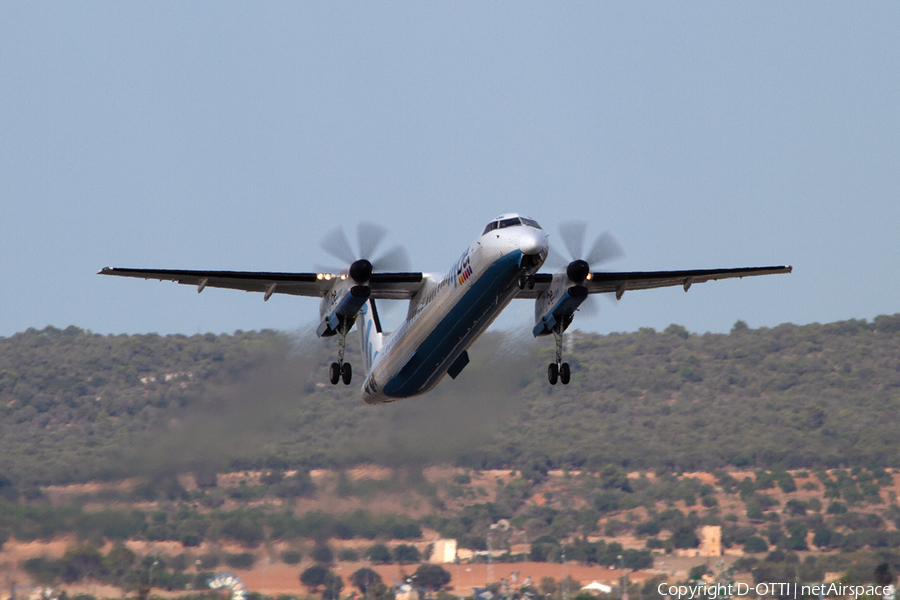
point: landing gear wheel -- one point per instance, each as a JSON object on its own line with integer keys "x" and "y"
{"x": 552, "y": 373}
{"x": 564, "y": 374}
{"x": 334, "y": 373}
{"x": 530, "y": 282}
{"x": 523, "y": 280}
{"x": 346, "y": 373}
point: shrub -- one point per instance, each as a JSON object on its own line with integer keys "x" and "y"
{"x": 379, "y": 554}
{"x": 321, "y": 553}
{"x": 405, "y": 554}
{"x": 755, "y": 544}
{"x": 209, "y": 561}
{"x": 244, "y": 560}
{"x": 348, "y": 555}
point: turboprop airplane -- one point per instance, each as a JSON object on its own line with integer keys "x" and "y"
{"x": 447, "y": 313}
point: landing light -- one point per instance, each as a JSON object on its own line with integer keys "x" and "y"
{"x": 319, "y": 276}
{"x": 327, "y": 276}
{"x": 589, "y": 275}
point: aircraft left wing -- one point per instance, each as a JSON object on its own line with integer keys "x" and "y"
{"x": 392, "y": 286}
{"x": 619, "y": 283}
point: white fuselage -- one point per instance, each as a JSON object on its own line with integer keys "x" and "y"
{"x": 450, "y": 312}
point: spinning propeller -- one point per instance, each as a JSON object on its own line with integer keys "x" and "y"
{"x": 604, "y": 249}
{"x": 364, "y": 263}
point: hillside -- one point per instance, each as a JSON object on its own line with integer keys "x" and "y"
{"x": 270, "y": 526}
{"x": 76, "y": 406}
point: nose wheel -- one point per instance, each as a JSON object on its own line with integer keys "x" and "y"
{"x": 559, "y": 370}
{"x": 341, "y": 371}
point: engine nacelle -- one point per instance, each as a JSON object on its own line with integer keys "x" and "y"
{"x": 341, "y": 305}
{"x": 557, "y": 305}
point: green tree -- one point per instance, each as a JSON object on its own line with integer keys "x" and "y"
{"x": 314, "y": 577}
{"x": 685, "y": 537}
{"x": 379, "y": 554}
{"x": 405, "y": 554}
{"x": 363, "y": 579}
{"x": 322, "y": 553}
{"x": 614, "y": 477}
{"x": 431, "y": 577}
{"x": 119, "y": 562}
{"x": 332, "y": 586}
{"x": 755, "y": 544}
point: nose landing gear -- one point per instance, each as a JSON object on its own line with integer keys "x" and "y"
{"x": 558, "y": 370}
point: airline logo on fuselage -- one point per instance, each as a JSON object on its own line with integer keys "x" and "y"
{"x": 462, "y": 270}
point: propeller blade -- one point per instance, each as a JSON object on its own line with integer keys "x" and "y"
{"x": 320, "y": 268}
{"x": 555, "y": 260}
{"x": 572, "y": 233}
{"x": 370, "y": 236}
{"x": 336, "y": 244}
{"x": 395, "y": 259}
{"x": 605, "y": 248}
{"x": 589, "y": 307}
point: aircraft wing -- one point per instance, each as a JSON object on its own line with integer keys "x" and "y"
{"x": 391, "y": 286}
{"x": 619, "y": 283}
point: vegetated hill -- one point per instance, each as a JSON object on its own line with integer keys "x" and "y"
{"x": 784, "y": 526}
{"x": 76, "y": 406}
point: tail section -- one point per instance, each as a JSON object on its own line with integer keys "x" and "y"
{"x": 370, "y": 329}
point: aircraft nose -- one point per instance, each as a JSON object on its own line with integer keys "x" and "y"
{"x": 532, "y": 243}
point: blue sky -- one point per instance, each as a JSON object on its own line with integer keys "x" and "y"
{"x": 223, "y": 135}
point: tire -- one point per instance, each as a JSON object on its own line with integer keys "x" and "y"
{"x": 531, "y": 282}
{"x": 564, "y": 374}
{"x": 346, "y": 373}
{"x": 334, "y": 373}
{"x": 552, "y": 373}
{"x": 522, "y": 281}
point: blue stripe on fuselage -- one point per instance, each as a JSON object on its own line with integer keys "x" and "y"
{"x": 465, "y": 321}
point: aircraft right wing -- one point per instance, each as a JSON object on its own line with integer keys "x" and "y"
{"x": 600, "y": 283}
{"x": 619, "y": 283}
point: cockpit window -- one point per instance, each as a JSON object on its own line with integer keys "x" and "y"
{"x": 512, "y": 222}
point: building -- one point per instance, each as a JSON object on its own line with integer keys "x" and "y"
{"x": 444, "y": 552}
{"x": 711, "y": 540}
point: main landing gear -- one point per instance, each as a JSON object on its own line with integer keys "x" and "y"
{"x": 558, "y": 370}
{"x": 341, "y": 371}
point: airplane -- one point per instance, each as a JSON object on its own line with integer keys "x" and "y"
{"x": 447, "y": 313}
